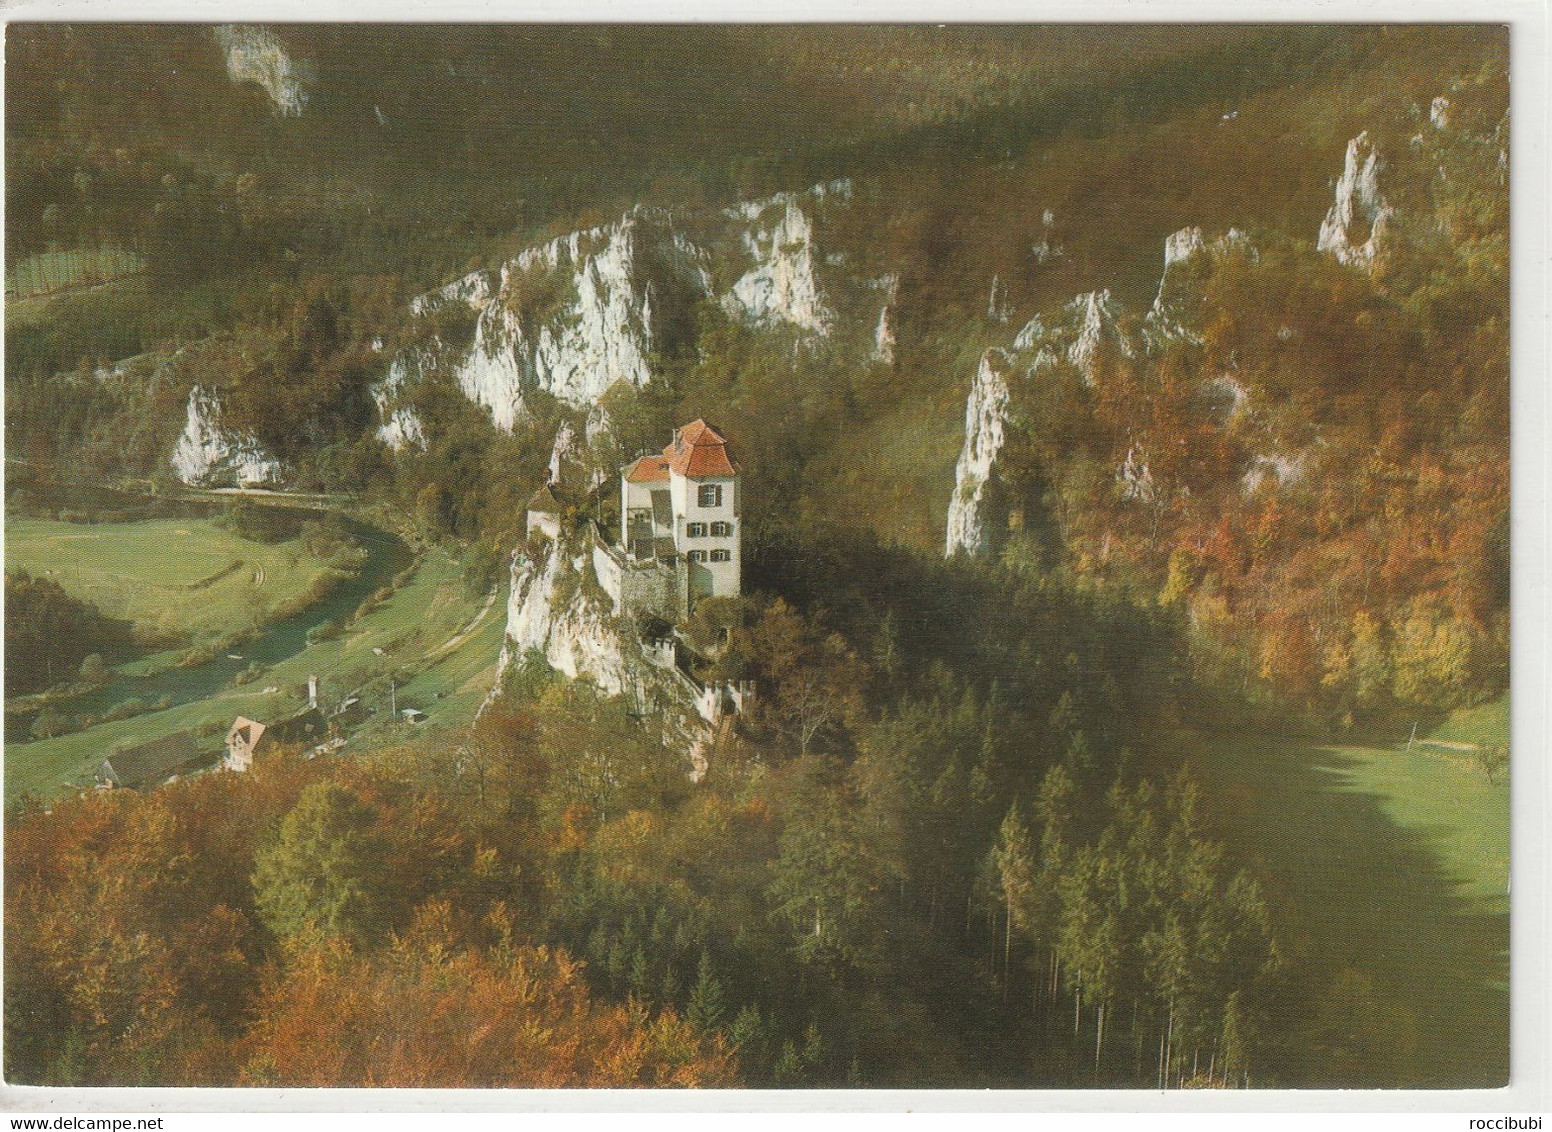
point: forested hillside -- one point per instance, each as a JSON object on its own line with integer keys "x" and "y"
{"x": 1189, "y": 346}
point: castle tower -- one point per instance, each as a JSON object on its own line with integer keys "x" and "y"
{"x": 683, "y": 507}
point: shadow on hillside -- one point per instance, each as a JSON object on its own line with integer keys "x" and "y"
{"x": 1396, "y": 978}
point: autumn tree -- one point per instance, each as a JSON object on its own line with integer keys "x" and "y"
{"x": 435, "y": 1011}
{"x": 321, "y": 870}
{"x": 810, "y": 680}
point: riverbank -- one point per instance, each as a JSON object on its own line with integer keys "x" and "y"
{"x": 171, "y": 578}
{"x": 393, "y": 655}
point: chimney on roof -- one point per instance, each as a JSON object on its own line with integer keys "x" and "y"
{"x": 312, "y": 691}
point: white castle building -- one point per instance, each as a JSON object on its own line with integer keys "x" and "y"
{"x": 680, "y": 528}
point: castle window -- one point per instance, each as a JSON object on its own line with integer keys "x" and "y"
{"x": 710, "y": 495}
{"x": 696, "y": 556}
{"x": 721, "y": 556}
{"x": 697, "y": 530}
{"x": 721, "y": 530}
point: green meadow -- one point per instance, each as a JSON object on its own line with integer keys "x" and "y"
{"x": 438, "y": 643}
{"x": 1387, "y": 876}
{"x": 171, "y": 577}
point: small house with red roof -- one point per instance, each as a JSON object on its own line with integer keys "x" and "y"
{"x": 680, "y": 513}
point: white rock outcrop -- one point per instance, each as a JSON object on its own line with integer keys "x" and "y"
{"x": 400, "y": 426}
{"x": 884, "y": 339}
{"x": 401, "y": 429}
{"x": 1176, "y": 306}
{"x": 840, "y": 190}
{"x": 579, "y": 313}
{"x": 884, "y": 332}
{"x": 575, "y": 634}
{"x": 1223, "y": 398}
{"x": 564, "y": 453}
{"x": 1280, "y": 472}
{"x": 1080, "y": 332}
{"x": 1098, "y": 330}
{"x": 1354, "y": 228}
{"x": 256, "y": 55}
{"x": 207, "y": 454}
{"x": 1182, "y": 245}
{"x": 997, "y": 302}
{"x": 552, "y": 612}
{"x": 1134, "y": 480}
{"x": 986, "y": 423}
{"x": 472, "y": 289}
{"x": 782, "y": 286}
{"x": 1047, "y": 248}
{"x": 573, "y": 316}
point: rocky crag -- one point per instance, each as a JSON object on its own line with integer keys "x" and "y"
{"x": 256, "y": 55}
{"x": 208, "y": 455}
{"x": 1358, "y": 230}
{"x": 557, "y": 612}
{"x": 572, "y": 317}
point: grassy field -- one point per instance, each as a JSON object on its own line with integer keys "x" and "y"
{"x": 168, "y": 576}
{"x": 1387, "y": 874}
{"x": 56, "y": 271}
{"x": 414, "y": 630}
{"x": 1483, "y": 725}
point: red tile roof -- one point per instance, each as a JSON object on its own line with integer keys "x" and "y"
{"x": 698, "y": 452}
{"x": 648, "y": 469}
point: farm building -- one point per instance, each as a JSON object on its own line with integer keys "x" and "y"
{"x": 241, "y": 743}
{"x": 151, "y": 764}
{"x": 248, "y": 737}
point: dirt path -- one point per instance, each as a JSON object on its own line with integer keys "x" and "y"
{"x": 463, "y": 634}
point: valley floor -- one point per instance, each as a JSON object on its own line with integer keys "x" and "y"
{"x": 440, "y": 642}
{"x": 1387, "y": 875}
{"x": 186, "y": 575}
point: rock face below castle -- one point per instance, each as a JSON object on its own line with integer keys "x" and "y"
{"x": 556, "y": 612}
{"x": 551, "y": 611}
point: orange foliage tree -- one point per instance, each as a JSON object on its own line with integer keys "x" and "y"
{"x": 432, "y": 1011}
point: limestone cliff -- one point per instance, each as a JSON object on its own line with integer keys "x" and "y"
{"x": 781, "y": 284}
{"x": 575, "y": 315}
{"x": 1177, "y": 306}
{"x": 400, "y": 426}
{"x": 552, "y": 612}
{"x": 556, "y": 611}
{"x": 208, "y": 455}
{"x": 1079, "y": 333}
{"x": 884, "y": 331}
{"x": 1354, "y": 228}
{"x": 985, "y": 432}
{"x": 256, "y": 55}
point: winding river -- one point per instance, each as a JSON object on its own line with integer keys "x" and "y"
{"x": 387, "y": 556}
